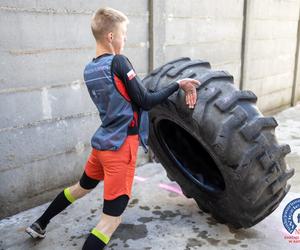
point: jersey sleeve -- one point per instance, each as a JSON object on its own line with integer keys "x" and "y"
{"x": 123, "y": 69}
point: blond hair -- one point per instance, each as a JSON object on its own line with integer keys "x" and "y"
{"x": 105, "y": 20}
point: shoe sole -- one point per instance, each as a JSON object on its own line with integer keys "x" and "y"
{"x": 34, "y": 234}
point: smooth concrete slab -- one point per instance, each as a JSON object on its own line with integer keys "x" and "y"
{"x": 158, "y": 217}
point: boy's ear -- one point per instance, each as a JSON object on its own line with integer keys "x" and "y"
{"x": 110, "y": 36}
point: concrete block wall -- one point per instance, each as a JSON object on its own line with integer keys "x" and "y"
{"x": 297, "y": 83}
{"x": 207, "y": 30}
{"x": 47, "y": 117}
{"x": 270, "y": 49}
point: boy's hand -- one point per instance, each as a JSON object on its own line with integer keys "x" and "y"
{"x": 189, "y": 86}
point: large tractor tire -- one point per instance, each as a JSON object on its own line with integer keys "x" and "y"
{"x": 224, "y": 152}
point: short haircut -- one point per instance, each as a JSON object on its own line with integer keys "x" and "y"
{"x": 105, "y": 20}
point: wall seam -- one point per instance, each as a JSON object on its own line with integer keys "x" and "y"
{"x": 243, "y": 51}
{"x": 296, "y": 65}
{"x": 150, "y": 36}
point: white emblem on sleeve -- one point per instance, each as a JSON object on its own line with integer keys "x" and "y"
{"x": 131, "y": 74}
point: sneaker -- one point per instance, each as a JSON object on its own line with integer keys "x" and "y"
{"x": 35, "y": 231}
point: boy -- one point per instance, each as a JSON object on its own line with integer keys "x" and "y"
{"x": 123, "y": 103}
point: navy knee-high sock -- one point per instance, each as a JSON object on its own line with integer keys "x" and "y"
{"x": 62, "y": 200}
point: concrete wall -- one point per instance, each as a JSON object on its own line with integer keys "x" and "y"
{"x": 296, "y": 82}
{"x": 258, "y": 50}
{"x": 271, "y": 39}
{"x": 47, "y": 118}
{"x": 207, "y": 30}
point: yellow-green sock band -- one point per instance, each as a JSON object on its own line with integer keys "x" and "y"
{"x": 68, "y": 195}
{"x": 100, "y": 235}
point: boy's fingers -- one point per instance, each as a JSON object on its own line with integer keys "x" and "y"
{"x": 188, "y": 99}
{"x": 194, "y": 98}
{"x": 195, "y": 82}
{"x": 193, "y": 95}
{"x": 191, "y": 100}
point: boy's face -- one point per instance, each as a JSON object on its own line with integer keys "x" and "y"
{"x": 119, "y": 37}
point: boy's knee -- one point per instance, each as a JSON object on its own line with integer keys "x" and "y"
{"x": 116, "y": 206}
{"x": 87, "y": 182}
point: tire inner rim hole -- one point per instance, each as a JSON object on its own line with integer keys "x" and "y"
{"x": 190, "y": 156}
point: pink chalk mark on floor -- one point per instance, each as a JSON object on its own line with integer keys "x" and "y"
{"x": 139, "y": 178}
{"x": 173, "y": 187}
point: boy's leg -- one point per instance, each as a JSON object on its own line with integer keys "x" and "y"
{"x": 68, "y": 196}
{"x": 109, "y": 222}
{"x": 119, "y": 168}
{"x": 62, "y": 201}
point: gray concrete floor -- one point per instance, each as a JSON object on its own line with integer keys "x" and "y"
{"x": 159, "y": 216}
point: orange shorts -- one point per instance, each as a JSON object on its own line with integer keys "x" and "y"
{"x": 116, "y": 168}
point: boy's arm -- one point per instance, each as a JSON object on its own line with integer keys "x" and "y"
{"x": 123, "y": 69}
